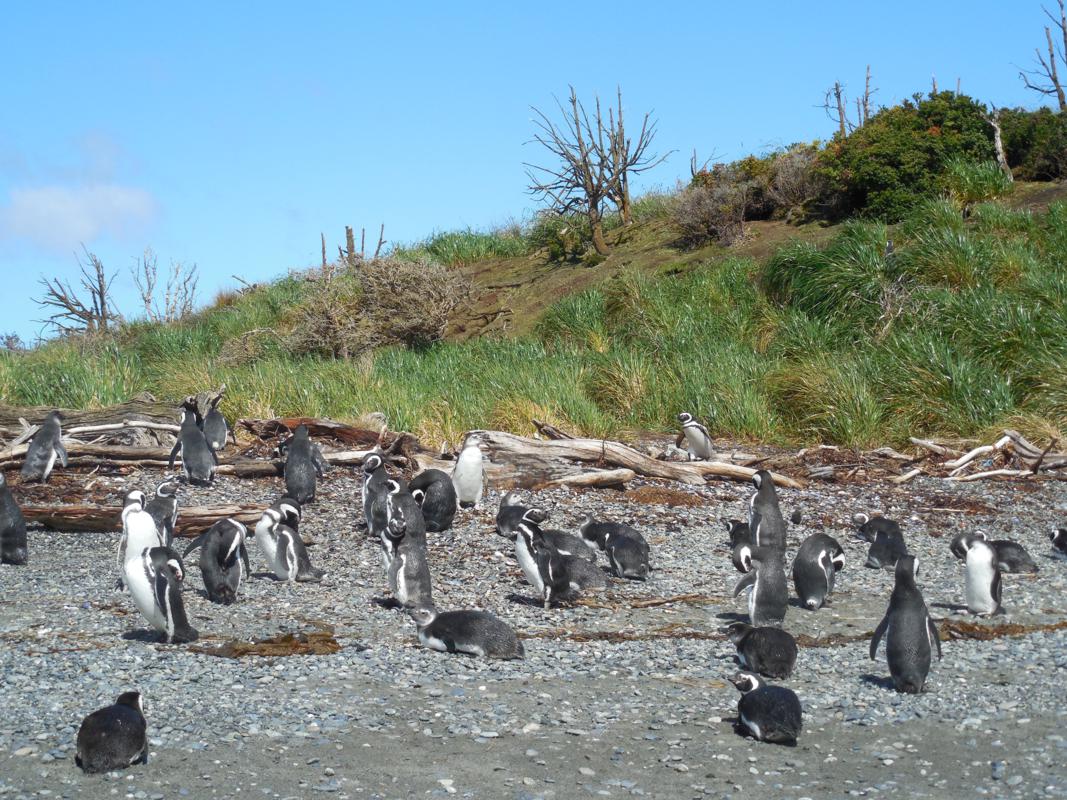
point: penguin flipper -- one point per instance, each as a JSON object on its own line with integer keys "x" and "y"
{"x": 934, "y": 634}
{"x": 748, "y": 579}
{"x": 996, "y": 587}
{"x": 197, "y": 542}
{"x": 174, "y": 453}
{"x": 61, "y": 451}
{"x": 879, "y": 632}
{"x": 319, "y": 461}
{"x": 244, "y": 558}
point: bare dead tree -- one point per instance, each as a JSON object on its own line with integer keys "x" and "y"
{"x": 835, "y": 104}
{"x": 92, "y": 313}
{"x": 179, "y": 291}
{"x": 629, "y": 157}
{"x": 1045, "y": 78}
{"x": 993, "y": 120}
{"x": 350, "y": 255}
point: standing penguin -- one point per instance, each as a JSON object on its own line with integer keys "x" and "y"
{"x": 1058, "y": 537}
{"x": 697, "y": 438}
{"x": 887, "y": 541}
{"x": 468, "y": 476}
{"x": 14, "y": 549}
{"x": 154, "y": 576}
{"x": 139, "y": 531}
{"x": 910, "y": 634}
{"x": 373, "y": 493}
{"x": 409, "y": 571}
{"x": 815, "y": 566}
{"x": 303, "y": 462}
{"x": 113, "y": 737}
{"x": 286, "y": 554}
{"x": 625, "y": 547}
{"x": 765, "y": 522}
{"x": 768, "y": 593}
{"x": 434, "y": 492}
{"x": 1011, "y": 556}
{"x": 767, "y": 713}
{"x": 45, "y": 446}
{"x": 768, "y": 651}
{"x": 223, "y": 559}
{"x": 982, "y": 579}
{"x": 164, "y": 508}
{"x": 198, "y": 459}
{"x": 215, "y": 428}
{"x": 476, "y": 633}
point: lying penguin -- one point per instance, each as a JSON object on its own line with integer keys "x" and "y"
{"x": 476, "y": 633}
{"x": 768, "y": 651}
{"x": 767, "y": 713}
{"x": 887, "y": 541}
{"x": 625, "y": 547}
{"x": 113, "y": 737}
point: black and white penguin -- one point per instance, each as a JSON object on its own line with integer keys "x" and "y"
{"x": 290, "y": 510}
{"x": 409, "y": 570}
{"x": 741, "y": 557}
{"x": 14, "y": 549}
{"x": 113, "y": 737}
{"x": 223, "y": 559}
{"x": 303, "y": 462}
{"x": 286, "y": 554}
{"x": 1011, "y": 556}
{"x": 815, "y": 566}
{"x": 468, "y": 476}
{"x": 982, "y": 579}
{"x": 625, "y": 547}
{"x": 198, "y": 459}
{"x": 554, "y": 574}
{"x": 697, "y": 439}
{"x": 45, "y": 447}
{"x": 476, "y": 633}
{"x": 767, "y": 713}
{"x": 768, "y": 592}
{"x": 887, "y": 541}
{"x": 510, "y": 514}
{"x": 566, "y": 544}
{"x": 1058, "y": 537}
{"x": 164, "y": 508}
{"x": 435, "y": 494}
{"x": 154, "y": 576}
{"x": 215, "y": 428}
{"x": 738, "y": 532}
{"x": 374, "y": 491}
{"x": 910, "y": 633}
{"x": 139, "y": 531}
{"x": 768, "y": 651}
{"x": 765, "y": 522}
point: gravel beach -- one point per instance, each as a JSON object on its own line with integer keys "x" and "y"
{"x": 618, "y": 696}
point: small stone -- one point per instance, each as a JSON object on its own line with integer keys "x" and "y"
{"x": 587, "y": 772}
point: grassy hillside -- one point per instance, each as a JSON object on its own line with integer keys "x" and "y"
{"x": 798, "y": 335}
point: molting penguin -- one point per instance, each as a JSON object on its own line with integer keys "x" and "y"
{"x": 215, "y": 428}
{"x": 1011, "y": 556}
{"x": 164, "y": 508}
{"x": 982, "y": 579}
{"x": 554, "y": 574}
{"x": 139, "y": 531}
{"x": 768, "y": 593}
{"x": 434, "y": 492}
{"x": 409, "y": 572}
{"x": 154, "y": 576}
{"x": 910, "y": 634}
{"x": 14, "y": 549}
{"x": 467, "y": 476}
{"x": 767, "y": 713}
{"x": 45, "y": 446}
{"x": 887, "y": 541}
{"x": 625, "y": 547}
{"x": 223, "y": 559}
{"x": 1058, "y": 537}
{"x": 765, "y": 522}
{"x": 284, "y": 550}
{"x": 303, "y": 462}
{"x": 113, "y": 737}
{"x": 510, "y": 514}
{"x": 696, "y": 437}
{"x": 768, "y": 651}
{"x": 475, "y": 633}
{"x": 198, "y": 460}
{"x": 815, "y": 566}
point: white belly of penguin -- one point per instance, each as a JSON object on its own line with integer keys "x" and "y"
{"x": 752, "y": 726}
{"x": 401, "y": 582}
{"x": 143, "y": 592}
{"x": 697, "y": 443}
{"x": 269, "y": 545}
{"x": 977, "y": 581}
{"x": 529, "y": 566}
{"x": 752, "y": 592}
{"x": 432, "y": 642}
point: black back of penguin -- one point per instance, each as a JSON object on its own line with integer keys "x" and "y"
{"x": 45, "y": 448}
{"x": 910, "y": 634}
{"x": 815, "y": 566}
{"x": 223, "y": 559}
{"x": 14, "y": 547}
{"x": 215, "y": 428}
{"x": 769, "y": 713}
{"x": 434, "y": 492}
{"x": 768, "y": 651}
{"x": 302, "y": 465}
{"x": 113, "y": 737}
{"x": 509, "y": 515}
{"x": 198, "y": 460}
{"x": 886, "y": 538}
{"x": 765, "y": 521}
{"x": 472, "y": 632}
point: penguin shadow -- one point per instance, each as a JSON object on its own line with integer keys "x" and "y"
{"x": 390, "y": 603}
{"x": 148, "y": 635}
{"x": 954, "y": 608}
{"x": 732, "y": 616}
{"x": 880, "y": 681}
{"x": 524, "y": 600}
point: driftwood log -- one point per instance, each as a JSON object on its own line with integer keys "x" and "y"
{"x": 144, "y": 408}
{"x": 192, "y": 520}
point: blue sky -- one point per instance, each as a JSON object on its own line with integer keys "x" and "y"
{"x": 232, "y": 134}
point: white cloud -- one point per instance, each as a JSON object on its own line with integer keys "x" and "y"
{"x": 61, "y": 217}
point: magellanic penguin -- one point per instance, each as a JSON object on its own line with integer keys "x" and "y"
{"x": 887, "y": 541}
{"x": 476, "y": 633}
{"x": 113, "y": 737}
{"x": 1058, "y": 537}
{"x": 198, "y": 459}
{"x": 215, "y": 428}
{"x": 765, "y": 522}
{"x": 435, "y": 494}
{"x": 45, "y": 446}
{"x": 286, "y": 554}
{"x": 510, "y": 514}
{"x": 982, "y": 579}
{"x": 767, "y": 713}
{"x": 409, "y": 570}
{"x": 303, "y": 462}
{"x": 154, "y": 576}
{"x": 1011, "y": 556}
{"x": 554, "y": 574}
{"x": 223, "y": 559}
{"x": 768, "y": 593}
{"x": 697, "y": 438}
{"x": 468, "y": 476}
{"x": 625, "y": 547}
{"x": 139, "y": 531}
{"x": 815, "y": 567}
{"x": 768, "y": 651}
{"x": 164, "y": 508}
{"x": 910, "y": 634}
{"x": 566, "y": 544}
{"x": 374, "y": 491}
{"x": 14, "y": 549}
{"x": 738, "y": 532}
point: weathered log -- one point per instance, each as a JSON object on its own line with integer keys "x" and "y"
{"x": 550, "y": 431}
{"x": 594, "y": 479}
{"x": 144, "y": 407}
{"x": 936, "y": 447}
{"x": 907, "y": 476}
{"x": 317, "y": 427}
{"x": 985, "y": 449}
{"x": 192, "y": 520}
{"x": 993, "y": 473}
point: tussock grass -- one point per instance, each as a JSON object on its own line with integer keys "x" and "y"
{"x": 454, "y": 248}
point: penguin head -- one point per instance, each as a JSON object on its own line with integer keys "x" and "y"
{"x": 737, "y": 530}
{"x": 131, "y": 699}
{"x": 757, "y": 479}
{"x": 56, "y": 416}
{"x": 176, "y": 567}
{"x": 423, "y": 616}
{"x": 962, "y": 542}
{"x": 472, "y": 439}
{"x": 419, "y": 496}
{"x": 907, "y": 569}
{"x": 270, "y": 519}
{"x": 743, "y": 559}
{"x": 509, "y": 499}
{"x": 288, "y": 509}
{"x": 981, "y": 552}
{"x": 746, "y": 681}
{"x": 736, "y": 631}
{"x": 1058, "y": 537}
{"x": 371, "y": 462}
{"x": 685, "y": 417}
{"x": 301, "y": 432}
{"x": 838, "y": 561}
{"x": 168, "y": 488}
{"x": 134, "y": 498}
{"x": 535, "y": 516}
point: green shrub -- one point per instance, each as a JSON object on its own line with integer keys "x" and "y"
{"x": 1035, "y": 143}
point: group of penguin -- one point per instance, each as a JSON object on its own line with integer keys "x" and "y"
{"x": 557, "y": 564}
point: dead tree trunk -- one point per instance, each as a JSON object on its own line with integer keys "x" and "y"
{"x": 998, "y": 143}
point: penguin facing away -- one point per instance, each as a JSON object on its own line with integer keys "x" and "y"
{"x": 697, "y": 439}
{"x": 223, "y": 559}
{"x": 476, "y": 633}
{"x": 435, "y": 494}
{"x": 198, "y": 459}
{"x": 215, "y": 428}
{"x": 164, "y": 508}
{"x": 373, "y": 493}
{"x": 768, "y": 594}
{"x": 14, "y": 548}
{"x": 1011, "y": 556}
{"x": 769, "y": 651}
{"x": 45, "y": 447}
{"x": 468, "y": 476}
{"x": 815, "y": 566}
{"x": 982, "y": 580}
{"x": 909, "y": 632}
{"x": 1058, "y": 537}
{"x": 113, "y": 737}
{"x": 154, "y": 576}
{"x": 765, "y": 522}
{"x": 767, "y": 713}
{"x": 304, "y": 461}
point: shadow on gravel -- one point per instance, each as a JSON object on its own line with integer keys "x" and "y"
{"x": 881, "y": 681}
{"x": 143, "y": 635}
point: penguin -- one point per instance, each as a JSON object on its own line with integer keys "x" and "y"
{"x": 910, "y": 633}
{"x": 215, "y": 428}
{"x": 765, "y": 522}
{"x": 409, "y": 572}
{"x": 154, "y": 576}
{"x": 476, "y": 633}
{"x": 1058, "y": 537}
{"x": 139, "y": 531}
{"x": 164, "y": 508}
{"x": 554, "y": 574}
{"x": 769, "y": 651}
{"x": 303, "y": 461}
{"x": 396, "y": 499}
{"x": 373, "y": 493}
{"x": 741, "y": 556}
{"x": 1011, "y": 556}
{"x": 697, "y": 438}
{"x": 738, "y": 532}
{"x": 290, "y": 511}
{"x": 887, "y": 541}
{"x": 566, "y": 544}
{"x": 198, "y": 459}
{"x": 434, "y": 492}
{"x": 113, "y": 737}
{"x": 468, "y": 475}
{"x": 625, "y": 547}
{"x": 982, "y": 579}
{"x": 815, "y": 566}
{"x": 14, "y": 549}
{"x": 510, "y": 514}
{"x": 768, "y": 595}
{"x": 767, "y": 713}
{"x": 45, "y": 446}
{"x": 223, "y": 559}
{"x": 284, "y": 550}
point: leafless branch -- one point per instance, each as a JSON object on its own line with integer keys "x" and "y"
{"x": 1045, "y": 78}
{"x": 179, "y": 292}
{"x": 93, "y": 312}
